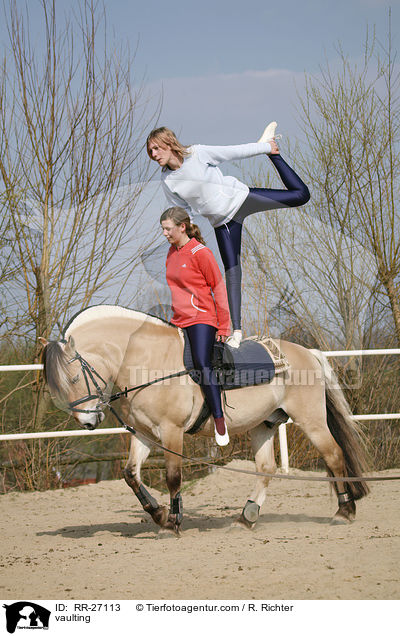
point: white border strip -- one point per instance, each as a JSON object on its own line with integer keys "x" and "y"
{"x": 21, "y": 367}
{"x": 359, "y": 352}
{"x": 74, "y": 433}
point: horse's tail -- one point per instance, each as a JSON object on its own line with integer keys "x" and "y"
{"x": 345, "y": 431}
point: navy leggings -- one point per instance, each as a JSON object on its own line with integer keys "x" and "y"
{"x": 202, "y": 338}
{"x": 229, "y": 235}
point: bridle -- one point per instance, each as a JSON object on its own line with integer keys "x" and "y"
{"x": 89, "y": 373}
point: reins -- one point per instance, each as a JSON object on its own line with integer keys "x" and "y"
{"x": 124, "y": 393}
{"x": 92, "y": 373}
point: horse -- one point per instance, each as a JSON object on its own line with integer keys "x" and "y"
{"x": 107, "y": 345}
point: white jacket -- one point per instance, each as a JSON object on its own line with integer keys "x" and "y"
{"x": 199, "y": 186}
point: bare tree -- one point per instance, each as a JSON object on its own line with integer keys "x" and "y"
{"x": 7, "y": 271}
{"x": 352, "y": 121}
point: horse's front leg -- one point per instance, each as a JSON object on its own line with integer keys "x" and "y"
{"x": 172, "y": 438}
{"x": 262, "y": 442}
{"x": 138, "y": 454}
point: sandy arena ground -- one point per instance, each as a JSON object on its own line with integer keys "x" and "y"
{"x": 95, "y": 542}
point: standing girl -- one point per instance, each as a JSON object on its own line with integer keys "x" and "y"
{"x": 199, "y": 302}
{"x": 192, "y": 180}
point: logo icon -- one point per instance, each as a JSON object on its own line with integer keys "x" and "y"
{"x": 26, "y": 615}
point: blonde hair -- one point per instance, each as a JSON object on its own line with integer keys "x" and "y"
{"x": 168, "y": 138}
{"x": 179, "y": 215}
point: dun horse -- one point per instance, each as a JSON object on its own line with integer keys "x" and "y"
{"x": 110, "y": 345}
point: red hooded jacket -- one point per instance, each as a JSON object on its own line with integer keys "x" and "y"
{"x": 197, "y": 288}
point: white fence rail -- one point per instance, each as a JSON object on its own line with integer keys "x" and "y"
{"x": 282, "y": 427}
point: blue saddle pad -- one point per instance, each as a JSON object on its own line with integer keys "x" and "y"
{"x": 248, "y": 365}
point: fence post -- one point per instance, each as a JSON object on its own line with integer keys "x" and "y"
{"x": 283, "y": 448}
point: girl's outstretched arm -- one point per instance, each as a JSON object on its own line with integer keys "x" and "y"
{"x": 218, "y": 154}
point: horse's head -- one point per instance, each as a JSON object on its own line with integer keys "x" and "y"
{"x": 74, "y": 383}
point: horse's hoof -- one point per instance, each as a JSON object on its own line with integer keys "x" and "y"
{"x": 342, "y": 518}
{"x": 249, "y": 514}
{"x": 340, "y": 521}
{"x": 242, "y": 522}
{"x": 172, "y": 524}
{"x": 160, "y": 515}
{"x": 346, "y": 513}
{"x": 172, "y": 528}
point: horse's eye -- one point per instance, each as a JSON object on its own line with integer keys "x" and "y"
{"x": 75, "y": 379}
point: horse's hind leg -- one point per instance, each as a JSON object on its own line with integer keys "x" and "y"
{"x": 262, "y": 442}
{"x": 172, "y": 438}
{"x": 138, "y": 453}
{"x": 317, "y": 431}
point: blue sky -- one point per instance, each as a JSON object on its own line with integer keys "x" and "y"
{"x": 227, "y": 67}
{"x": 186, "y": 39}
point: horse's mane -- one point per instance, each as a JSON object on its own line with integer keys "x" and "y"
{"x": 98, "y": 312}
{"x": 55, "y": 369}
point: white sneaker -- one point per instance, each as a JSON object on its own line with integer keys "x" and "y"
{"x": 235, "y": 340}
{"x": 222, "y": 440}
{"x": 269, "y": 133}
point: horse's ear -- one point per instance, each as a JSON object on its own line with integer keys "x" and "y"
{"x": 43, "y": 342}
{"x": 70, "y": 346}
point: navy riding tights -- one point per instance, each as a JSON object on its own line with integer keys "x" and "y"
{"x": 229, "y": 235}
{"x": 202, "y": 338}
